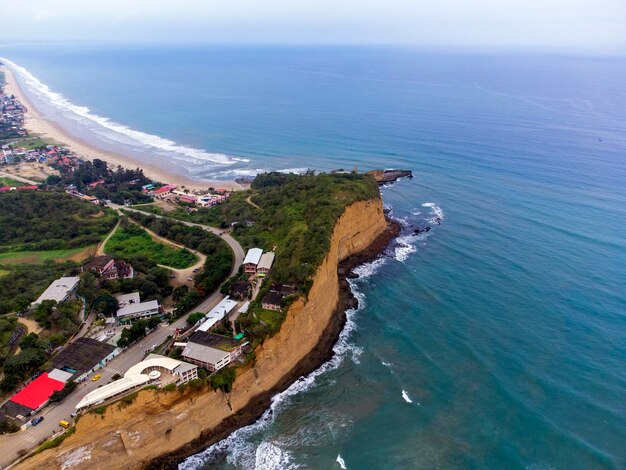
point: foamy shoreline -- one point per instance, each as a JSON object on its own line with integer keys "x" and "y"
{"x": 36, "y": 123}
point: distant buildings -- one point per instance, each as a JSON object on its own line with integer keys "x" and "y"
{"x": 218, "y": 314}
{"x": 265, "y": 264}
{"x": 132, "y": 308}
{"x": 59, "y": 290}
{"x": 274, "y": 298}
{"x": 109, "y": 268}
{"x": 212, "y": 351}
{"x": 240, "y": 290}
{"x": 164, "y": 190}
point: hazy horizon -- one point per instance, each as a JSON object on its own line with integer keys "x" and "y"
{"x": 573, "y": 26}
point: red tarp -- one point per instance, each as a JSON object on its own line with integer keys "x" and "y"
{"x": 37, "y": 392}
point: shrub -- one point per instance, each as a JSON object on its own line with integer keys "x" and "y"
{"x": 223, "y": 379}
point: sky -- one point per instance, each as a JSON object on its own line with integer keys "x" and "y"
{"x": 577, "y": 25}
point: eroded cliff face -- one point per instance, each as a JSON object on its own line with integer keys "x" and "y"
{"x": 158, "y": 424}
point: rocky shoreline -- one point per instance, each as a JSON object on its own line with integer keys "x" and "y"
{"x": 318, "y": 356}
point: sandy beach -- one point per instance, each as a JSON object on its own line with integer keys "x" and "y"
{"x": 36, "y": 123}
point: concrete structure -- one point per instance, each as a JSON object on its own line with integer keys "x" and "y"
{"x": 109, "y": 268}
{"x": 217, "y": 314}
{"x": 265, "y": 264}
{"x": 83, "y": 357}
{"x": 212, "y": 351}
{"x": 156, "y": 369}
{"x": 59, "y": 290}
{"x": 252, "y": 259}
{"x": 131, "y": 308}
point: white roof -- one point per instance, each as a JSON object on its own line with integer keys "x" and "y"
{"x": 58, "y": 290}
{"x": 266, "y": 260}
{"x": 60, "y": 375}
{"x": 253, "y": 256}
{"x": 244, "y": 308}
{"x": 202, "y": 353}
{"x": 123, "y": 299}
{"x": 217, "y": 313}
{"x": 134, "y": 309}
{"x": 133, "y": 377}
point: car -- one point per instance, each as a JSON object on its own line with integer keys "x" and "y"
{"x": 95, "y": 377}
{"x": 190, "y": 278}
{"x": 36, "y": 421}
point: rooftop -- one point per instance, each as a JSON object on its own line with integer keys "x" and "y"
{"x": 134, "y": 308}
{"x": 99, "y": 262}
{"x": 58, "y": 290}
{"x": 223, "y": 343}
{"x": 217, "y": 313}
{"x": 253, "y": 256}
{"x": 82, "y": 355}
{"x": 267, "y": 259}
{"x": 272, "y": 298}
{"x": 125, "y": 299}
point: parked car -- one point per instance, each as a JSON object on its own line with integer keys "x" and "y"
{"x": 95, "y": 377}
{"x": 36, "y": 421}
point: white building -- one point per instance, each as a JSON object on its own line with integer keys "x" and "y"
{"x": 218, "y": 313}
{"x": 155, "y": 369}
{"x": 252, "y": 259}
{"x": 131, "y": 308}
{"x": 59, "y": 290}
{"x": 265, "y": 263}
{"x": 212, "y": 351}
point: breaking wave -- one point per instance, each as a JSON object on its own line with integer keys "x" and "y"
{"x": 114, "y": 131}
{"x": 237, "y": 446}
{"x": 341, "y": 462}
{"x": 435, "y": 210}
{"x": 406, "y": 397}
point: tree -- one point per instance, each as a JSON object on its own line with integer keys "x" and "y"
{"x": 194, "y": 318}
{"x": 179, "y": 292}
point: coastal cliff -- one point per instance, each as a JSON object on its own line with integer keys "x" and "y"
{"x": 159, "y": 429}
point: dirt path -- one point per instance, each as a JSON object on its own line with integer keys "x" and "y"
{"x": 31, "y": 325}
{"x": 100, "y": 249}
{"x": 249, "y": 201}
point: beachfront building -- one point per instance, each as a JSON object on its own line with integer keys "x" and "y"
{"x": 265, "y": 264}
{"x": 251, "y": 260}
{"x": 132, "y": 308}
{"x": 59, "y": 290}
{"x": 154, "y": 369}
{"x": 164, "y": 190}
{"x": 212, "y": 351}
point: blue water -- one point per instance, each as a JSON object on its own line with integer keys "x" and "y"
{"x": 505, "y": 327}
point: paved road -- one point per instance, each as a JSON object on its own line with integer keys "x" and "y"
{"x": 11, "y": 444}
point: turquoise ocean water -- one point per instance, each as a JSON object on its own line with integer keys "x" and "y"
{"x": 498, "y": 340}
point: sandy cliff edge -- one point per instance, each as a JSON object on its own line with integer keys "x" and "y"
{"x": 160, "y": 429}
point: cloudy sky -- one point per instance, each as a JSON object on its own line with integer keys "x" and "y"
{"x": 553, "y": 24}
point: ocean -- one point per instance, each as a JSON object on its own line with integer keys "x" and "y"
{"x": 496, "y": 340}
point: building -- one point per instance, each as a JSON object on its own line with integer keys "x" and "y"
{"x": 212, "y": 351}
{"x": 164, "y": 190}
{"x": 109, "y": 268}
{"x": 218, "y": 314}
{"x": 154, "y": 369}
{"x": 251, "y": 260}
{"x": 84, "y": 356}
{"x": 132, "y": 308}
{"x": 240, "y": 290}
{"x": 284, "y": 290}
{"x": 272, "y": 301}
{"x": 265, "y": 264}
{"x": 59, "y": 290}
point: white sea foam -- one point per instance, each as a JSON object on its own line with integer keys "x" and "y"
{"x": 406, "y": 397}
{"x": 404, "y": 247}
{"x": 117, "y": 132}
{"x": 435, "y": 210}
{"x": 269, "y": 456}
{"x": 341, "y": 462}
{"x": 386, "y": 364}
{"x": 237, "y": 445}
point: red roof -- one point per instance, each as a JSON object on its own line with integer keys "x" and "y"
{"x": 165, "y": 189}
{"x": 5, "y": 188}
{"x": 37, "y": 392}
{"x": 27, "y": 187}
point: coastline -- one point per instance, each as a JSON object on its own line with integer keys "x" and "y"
{"x": 322, "y": 353}
{"x": 36, "y": 123}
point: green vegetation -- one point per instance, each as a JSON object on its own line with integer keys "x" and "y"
{"x": 194, "y": 318}
{"x": 127, "y": 400}
{"x": 60, "y": 395}
{"x": 25, "y": 282}
{"x": 8, "y": 326}
{"x": 6, "y": 181}
{"x": 56, "y": 442}
{"x": 130, "y": 240}
{"x": 61, "y": 319}
{"x": 138, "y": 330}
{"x": 119, "y": 184}
{"x": 223, "y": 379}
{"x": 100, "y": 410}
{"x": 31, "y": 143}
{"x": 39, "y": 257}
{"x": 27, "y": 362}
{"x": 26, "y": 221}
{"x": 169, "y": 387}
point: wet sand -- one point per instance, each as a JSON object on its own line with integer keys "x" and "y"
{"x": 36, "y": 123}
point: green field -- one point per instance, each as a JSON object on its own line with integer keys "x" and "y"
{"x": 4, "y": 272}
{"x": 132, "y": 241}
{"x": 6, "y": 181}
{"x": 38, "y": 257}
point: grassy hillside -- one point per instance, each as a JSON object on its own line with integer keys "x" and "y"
{"x": 38, "y": 221}
{"x": 130, "y": 241}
